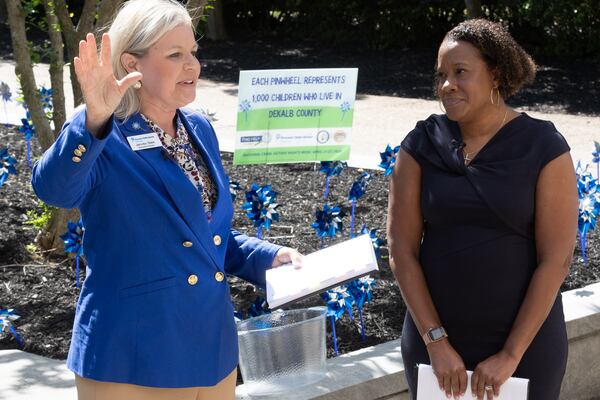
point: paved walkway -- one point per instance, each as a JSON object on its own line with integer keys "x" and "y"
{"x": 378, "y": 120}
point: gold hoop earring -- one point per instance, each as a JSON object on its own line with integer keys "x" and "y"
{"x": 497, "y": 96}
{"x": 441, "y": 106}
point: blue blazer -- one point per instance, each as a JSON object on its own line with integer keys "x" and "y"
{"x": 154, "y": 309}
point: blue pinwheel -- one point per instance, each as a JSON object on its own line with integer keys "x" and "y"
{"x": 259, "y": 307}
{"x": 377, "y": 242}
{"x": 596, "y": 158}
{"x": 589, "y": 205}
{"x": 261, "y": 208}
{"x": 73, "y": 240}
{"x": 338, "y": 301}
{"x": 388, "y": 158}
{"x": 357, "y": 190}
{"x": 331, "y": 168}
{"x": 7, "y": 166}
{"x": 328, "y": 222}
{"x": 6, "y": 95}
{"x": 361, "y": 290}
{"x": 46, "y": 99}
{"x": 28, "y": 130}
{"x": 7, "y": 316}
{"x": 345, "y": 107}
{"x": 245, "y": 106}
{"x": 234, "y": 187}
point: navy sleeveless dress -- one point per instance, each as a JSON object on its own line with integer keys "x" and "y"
{"x": 478, "y": 251}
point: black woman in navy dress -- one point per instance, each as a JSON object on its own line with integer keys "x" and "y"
{"x": 481, "y": 226}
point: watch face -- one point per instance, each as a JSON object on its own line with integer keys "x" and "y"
{"x": 436, "y": 334}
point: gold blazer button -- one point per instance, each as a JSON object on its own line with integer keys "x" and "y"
{"x": 187, "y": 243}
{"x": 217, "y": 240}
{"x": 81, "y": 148}
{"x": 192, "y": 279}
{"x": 78, "y": 152}
{"x": 219, "y": 276}
{"x": 76, "y": 159}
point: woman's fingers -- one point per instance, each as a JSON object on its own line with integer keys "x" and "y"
{"x": 463, "y": 378}
{"x": 448, "y": 386}
{"x": 83, "y": 53}
{"x": 92, "y": 49}
{"x": 129, "y": 80}
{"x": 105, "y": 57}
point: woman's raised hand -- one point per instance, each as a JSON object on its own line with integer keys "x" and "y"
{"x": 100, "y": 88}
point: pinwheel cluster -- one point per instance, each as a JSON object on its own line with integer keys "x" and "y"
{"x": 388, "y": 159}
{"x": 7, "y": 316}
{"x": 328, "y": 222}
{"x": 357, "y": 190}
{"x": 589, "y": 205}
{"x": 261, "y": 207}
{"x": 46, "y": 99}
{"x": 7, "y": 166}
{"x": 377, "y": 242}
{"x": 73, "y": 240}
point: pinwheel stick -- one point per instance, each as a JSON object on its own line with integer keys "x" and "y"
{"x": 352, "y": 219}
{"x": 28, "y": 153}
{"x": 16, "y": 336}
{"x": 335, "y": 346}
{"x": 362, "y": 325}
{"x": 77, "y": 271}
{"x": 259, "y": 232}
{"x": 326, "y": 194}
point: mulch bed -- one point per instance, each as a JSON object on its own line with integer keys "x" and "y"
{"x": 43, "y": 291}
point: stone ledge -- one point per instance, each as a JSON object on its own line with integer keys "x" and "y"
{"x": 377, "y": 372}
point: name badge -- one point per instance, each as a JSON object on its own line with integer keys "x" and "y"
{"x": 144, "y": 141}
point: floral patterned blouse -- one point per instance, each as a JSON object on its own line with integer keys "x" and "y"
{"x": 185, "y": 154}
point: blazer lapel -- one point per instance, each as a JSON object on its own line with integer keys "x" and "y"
{"x": 212, "y": 162}
{"x": 185, "y": 196}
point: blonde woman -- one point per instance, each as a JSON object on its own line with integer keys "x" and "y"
{"x": 154, "y": 319}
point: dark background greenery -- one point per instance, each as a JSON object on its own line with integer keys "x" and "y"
{"x": 544, "y": 27}
{"x": 549, "y": 27}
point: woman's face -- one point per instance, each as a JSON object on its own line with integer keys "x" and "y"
{"x": 464, "y": 81}
{"x": 170, "y": 70}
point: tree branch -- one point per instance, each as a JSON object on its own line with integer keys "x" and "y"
{"x": 86, "y": 20}
{"x": 196, "y": 9}
{"x": 24, "y": 71}
{"x": 106, "y": 12}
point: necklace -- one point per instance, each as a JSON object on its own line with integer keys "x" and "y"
{"x": 469, "y": 155}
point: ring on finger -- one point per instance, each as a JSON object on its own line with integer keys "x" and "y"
{"x": 488, "y": 387}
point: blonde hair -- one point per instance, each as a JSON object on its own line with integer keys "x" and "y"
{"x": 138, "y": 25}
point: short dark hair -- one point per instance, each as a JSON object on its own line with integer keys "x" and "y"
{"x": 514, "y": 67}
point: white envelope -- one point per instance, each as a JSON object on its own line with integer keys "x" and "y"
{"x": 320, "y": 271}
{"x": 428, "y": 388}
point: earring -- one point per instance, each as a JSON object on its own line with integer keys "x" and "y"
{"x": 497, "y": 103}
{"x": 137, "y": 85}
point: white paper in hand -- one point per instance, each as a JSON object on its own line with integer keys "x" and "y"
{"x": 428, "y": 388}
{"x": 321, "y": 270}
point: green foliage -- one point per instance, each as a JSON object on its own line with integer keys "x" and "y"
{"x": 40, "y": 216}
{"x": 564, "y": 27}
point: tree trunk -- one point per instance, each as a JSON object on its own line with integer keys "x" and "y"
{"x": 24, "y": 71}
{"x": 56, "y": 68}
{"x": 473, "y": 8}
{"x": 215, "y": 25}
{"x": 49, "y": 237}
